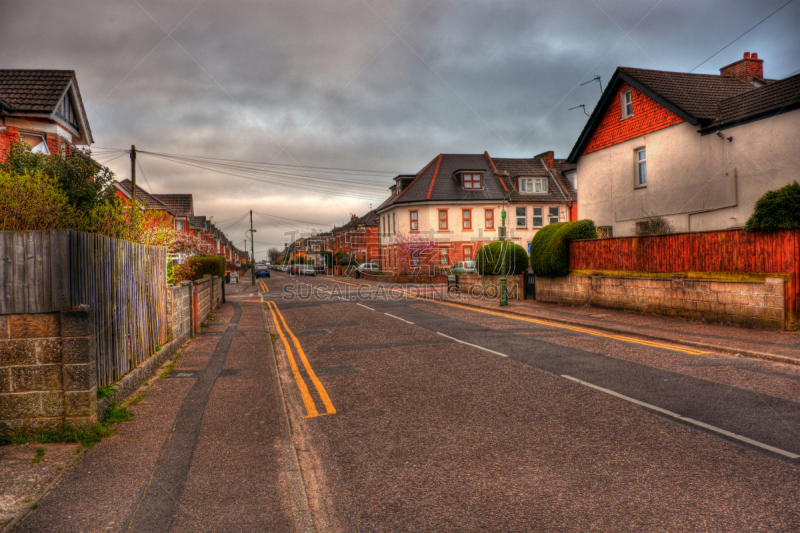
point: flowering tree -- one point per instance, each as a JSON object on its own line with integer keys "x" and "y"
{"x": 189, "y": 244}
{"x": 413, "y": 252}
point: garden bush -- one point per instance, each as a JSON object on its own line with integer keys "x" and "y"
{"x": 212, "y": 265}
{"x": 550, "y": 246}
{"x": 488, "y": 258}
{"x": 776, "y": 210}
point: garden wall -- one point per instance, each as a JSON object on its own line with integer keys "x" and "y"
{"x": 489, "y": 286}
{"x": 748, "y": 303}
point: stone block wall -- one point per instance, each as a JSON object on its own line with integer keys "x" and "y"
{"x": 202, "y": 290}
{"x": 216, "y": 292}
{"x": 489, "y": 286}
{"x": 179, "y": 312}
{"x": 748, "y": 303}
{"x": 48, "y": 374}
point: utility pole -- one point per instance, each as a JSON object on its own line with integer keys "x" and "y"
{"x": 252, "y": 249}
{"x": 503, "y": 283}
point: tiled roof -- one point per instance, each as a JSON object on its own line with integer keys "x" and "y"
{"x": 778, "y": 96}
{"x": 145, "y": 197}
{"x": 33, "y": 90}
{"x": 696, "y": 94}
{"x": 182, "y": 204}
{"x": 534, "y": 168}
{"x": 370, "y": 219}
{"x": 197, "y": 223}
{"x": 437, "y": 182}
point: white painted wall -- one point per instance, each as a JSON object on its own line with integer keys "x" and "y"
{"x": 699, "y": 183}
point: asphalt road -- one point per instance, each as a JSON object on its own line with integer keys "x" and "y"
{"x": 412, "y": 415}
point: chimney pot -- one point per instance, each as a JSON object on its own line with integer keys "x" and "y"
{"x": 755, "y": 55}
{"x": 747, "y": 55}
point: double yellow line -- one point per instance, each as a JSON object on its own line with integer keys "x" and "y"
{"x": 263, "y": 286}
{"x": 308, "y": 401}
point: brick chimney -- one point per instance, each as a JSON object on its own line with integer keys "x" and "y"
{"x": 547, "y": 157}
{"x": 353, "y": 216}
{"x": 746, "y": 68}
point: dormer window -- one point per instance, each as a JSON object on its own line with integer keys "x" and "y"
{"x": 472, "y": 180}
{"x": 533, "y": 185}
{"x": 626, "y": 99}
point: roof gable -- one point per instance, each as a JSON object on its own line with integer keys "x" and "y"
{"x": 51, "y": 94}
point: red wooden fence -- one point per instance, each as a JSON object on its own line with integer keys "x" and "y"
{"x": 729, "y": 251}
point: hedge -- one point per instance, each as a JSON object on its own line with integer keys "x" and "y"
{"x": 212, "y": 265}
{"x": 488, "y": 258}
{"x": 550, "y": 246}
{"x": 327, "y": 259}
{"x": 776, "y": 210}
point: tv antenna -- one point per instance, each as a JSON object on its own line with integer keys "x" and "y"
{"x": 597, "y": 79}
{"x": 582, "y": 106}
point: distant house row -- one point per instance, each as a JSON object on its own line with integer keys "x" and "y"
{"x": 696, "y": 149}
{"x": 44, "y": 109}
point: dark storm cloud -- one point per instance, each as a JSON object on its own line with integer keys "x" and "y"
{"x": 375, "y": 84}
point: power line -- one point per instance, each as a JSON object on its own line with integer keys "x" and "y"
{"x": 742, "y": 35}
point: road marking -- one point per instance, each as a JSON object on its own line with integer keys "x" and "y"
{"x": 691, "y": 351}
{"x": 263, "y": 286}
{"x": 473, "y": 345}
{"x": 365, "y": 307}
{"x": 398, "y": 318}
{"x": 323, "y": 394}
{"x": 311, "y": 409}
{"x": 715, "y": 429}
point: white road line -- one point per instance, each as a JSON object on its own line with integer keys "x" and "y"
{"x": 715, "y": 429}
{"x": 398, "y": 318}
{"x": 473, "y": 345}
{"x": 365, "y": 307}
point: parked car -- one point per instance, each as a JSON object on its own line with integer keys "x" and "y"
{"x": 262, "y": 271}
{"x": 369, "y": 267}
{"x": 464, "y": 267}
{"x": 306, "y": 270}
{"x": 319, "y": 269}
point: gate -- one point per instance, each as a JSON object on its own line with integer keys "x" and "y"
{"x": 530, "y": 286}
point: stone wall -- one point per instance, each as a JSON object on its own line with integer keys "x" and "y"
{"x": 406, "y": 278}
{"x": 202, "y": 298}
{"x": 747, "y": 303}
{"x": 179, "y": 312}
{"x": 48, "y": 374}
{"x": 489, "y": 286}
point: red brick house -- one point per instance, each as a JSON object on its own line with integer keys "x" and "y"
{"x": 454, "y": 206}
{"x": 44, "y": 109}
{"x": 696, "y": 149}
{"x": 358, "y": 238}
{"x": 150, "y": 202}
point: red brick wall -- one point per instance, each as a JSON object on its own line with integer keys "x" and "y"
{"x": 745, "y": 68}
{"x": 7, "y": 138}
{"x": 648, "y": 116}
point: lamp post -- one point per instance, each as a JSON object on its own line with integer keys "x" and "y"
{"x": 503, "y": 283}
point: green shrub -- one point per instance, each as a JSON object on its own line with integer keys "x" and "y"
{"x": 327, "y": 259}
{"x": 550, "y": 246}
{"x": 488, "y": 258}
{"x": 214, "y": 266}
{"x": 776, "y": 210}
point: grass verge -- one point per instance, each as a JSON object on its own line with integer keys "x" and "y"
{"x": 86, "y": 437}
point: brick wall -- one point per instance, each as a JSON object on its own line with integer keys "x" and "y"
{"x": 648, "y": 116}
{"x": 754, "y": 303}
{"x": 489, "y": 286}
{"x": 48, "y": 374}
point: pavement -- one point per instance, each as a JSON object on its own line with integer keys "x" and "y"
{"x": 205, "y": 450}
{"x": 779, "y": 346}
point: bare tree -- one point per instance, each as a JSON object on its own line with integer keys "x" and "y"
{"x": 274, "y": 254}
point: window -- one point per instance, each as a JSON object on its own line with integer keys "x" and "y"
{"x": 466, "y": 219}
{"x": 605, "y": 232}
{"x": 443, "y": 258}
{"x": 467, "y": 253}
{"x": 553, "y": 218}
{"x": 533, "y": 185}
{"x": 36, "y": 142}
{"x": 626, "y": 98}
{"x": 472, "y": 180}
{"x": 179, "y": 225}
{"x": 521, "y": 216}
{"x": 490, "y": 219}
{"x": 394, "y": 222}
{"x": 442, "y": 218}
{"x": 641, "y": 168}
{"x": 414, "y": 220}
{"x": 538, "y": 218}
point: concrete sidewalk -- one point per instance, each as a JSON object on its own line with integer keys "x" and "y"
{"x": 204, "y": 452}
{"x": 777, "y": 346}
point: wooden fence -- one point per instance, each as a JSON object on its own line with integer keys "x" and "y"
{"x": 124, "y": 284}
{"x": 729, "y": 251}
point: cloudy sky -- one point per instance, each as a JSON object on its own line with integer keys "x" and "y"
{"x": 298, "y": 89}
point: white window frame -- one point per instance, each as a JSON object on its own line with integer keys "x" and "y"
{"x": 538, "y": 216}
{"x": 553, "y": 218}
{"x": 641, "y": 167}
{"x": 626, "y": 103}
{"x": 523, "y": 217}
{"x": 533, "y": 185}
{"x": 41, "y": 147}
